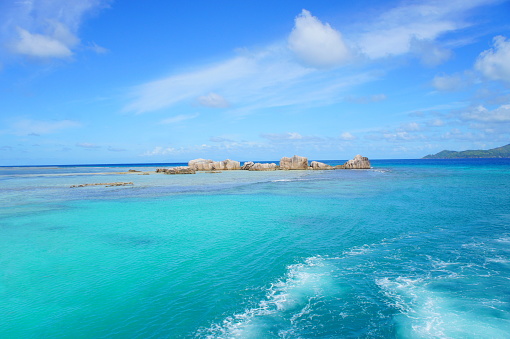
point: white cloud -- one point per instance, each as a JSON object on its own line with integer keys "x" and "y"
{"x": 268, "y": 78}
{"x": 494, "y": 63}
{"x": 87, "y": 145}
{"x": 98, "y": 49}
{"x": 482, "y": 114}
{"x": 179, "y": 118}
{"x": 435, "y": 123}
{"x": 170, "y": 90}
{"x": 210, "y": 151}
{"x": 317, "y": 44}
{"x": 347, "y": 136}
{"x": 410, "y": 127}
{"x": 45, "y": 29}
{"x": 285, "y": 136}
{"x": 159, "y": 150}
{"x": 395, "y": 31}
{"x": 213, "y": 100}
{"x": 38, "y": 45}
{"x": 429, "y": 53}
{"x": 220, "y": 139}
{"x": 402, "y": 136}
{"x": 448, "y": 82}
{"x": 38, "y": 127}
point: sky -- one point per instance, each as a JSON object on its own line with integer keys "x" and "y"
{"x": 104, "y": 81}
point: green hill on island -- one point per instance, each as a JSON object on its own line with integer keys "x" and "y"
{"x": 499, "y": 152}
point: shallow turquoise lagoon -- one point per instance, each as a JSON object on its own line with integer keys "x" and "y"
{"x": 408, "y": 249}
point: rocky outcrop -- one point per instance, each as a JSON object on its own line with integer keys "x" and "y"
{"x": 247, "y": 165}
{"x": 358, "y": 162}
{"x": 251, "y": 166}
{"x": 107, "y": 184}
{"x": 210, "y": 165}
{"x": 316, "y": 165}
{"x": 294, "y": 163}
{"x": 263, "y": 167}
{"x": 229, "y": 165}
{"x": 201, "y": 164}
{"x": 176, "y": 170}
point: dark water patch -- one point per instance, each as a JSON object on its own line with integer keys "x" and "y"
{"x": 119, "y": 239}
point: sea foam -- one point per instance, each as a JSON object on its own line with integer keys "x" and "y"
{"x": 287, "y": 302}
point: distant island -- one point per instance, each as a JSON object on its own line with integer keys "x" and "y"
{"x": 499, "y": 152}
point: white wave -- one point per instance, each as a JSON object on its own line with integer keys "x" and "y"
{"x": 503, "y": 239}
{"x": 480, "y": 244}
{"x": 360, "y": 250}
{"x": 428, "y": 314}
{"x": 381, "y": 170}
{"x": 287, "y": 301}
{"x": 498, "y": 259}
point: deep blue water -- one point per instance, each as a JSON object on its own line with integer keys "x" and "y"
{"x": 408, "y": 249}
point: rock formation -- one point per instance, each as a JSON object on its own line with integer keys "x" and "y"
{"x": 247, "y": 165}
{"x": 210, "y": 165}
{"x": 316, "y": 165}
{"x": 294, "y": 163}
{"x": 176, "y": 170}
{"x": 263, "y": 167}
{"x": 107, "y": 184}
{"x": 358, "y": 162}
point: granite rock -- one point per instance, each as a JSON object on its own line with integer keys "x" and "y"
{"x": 210, "y": 165}
{"x": 294, "y": 163}
{"x": 263, "y": 167}
{"x": 179, "y": 170}
{"x": 247, "y": 165}
{"x": 358, "y": 162}
{"x": 316, "y": 165}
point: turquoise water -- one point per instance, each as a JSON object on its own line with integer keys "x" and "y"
{"x": 409, "y": 249}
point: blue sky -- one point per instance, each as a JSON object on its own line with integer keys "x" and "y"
{"x": 97, "y": 81}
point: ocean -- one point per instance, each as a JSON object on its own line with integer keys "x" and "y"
{"x": 407, "y": 249}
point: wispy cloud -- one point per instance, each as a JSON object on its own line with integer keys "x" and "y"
{"x": 45, "y": 29}
{"x": 213, "y": 100}
{"x": 40, "y": 127}
{"x": 365, "y": 99}
{"x": 179, "y": 118}
{"x": 38, "y": 45}
{"x": 289, "y": 136}
{"x": 448, "y": 83}
{"x": 248, "y": 82}
{"x": 347, "y": 136}
{"x": 115, "y": 149}
{"x": 165, "y": 92}
{"x": 220, "y": 139}
{"x": 272, "y": 77}
{"x": 87, "y": 145}
{"x": 413, "y": 26}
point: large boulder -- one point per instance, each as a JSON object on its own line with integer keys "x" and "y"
{"x": 209, "y": 165}
{"x": 227, "y": 165}
{"x": 179, "y": 170}
{"x": 201, "y": 164}
{"x": 358, "y": 162}
{"x": 316, "y": 165}
{"x": 263, "y": 167}
{"x": 294, "y": 163}
{"x": 247, "y": 165}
